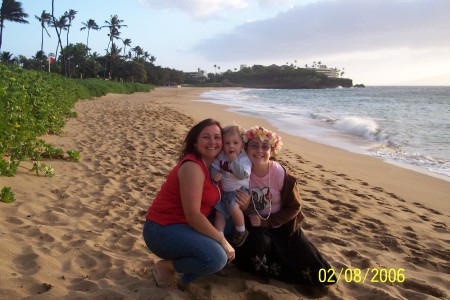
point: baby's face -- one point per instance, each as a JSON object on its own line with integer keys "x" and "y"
{"x": 232, "y": 143}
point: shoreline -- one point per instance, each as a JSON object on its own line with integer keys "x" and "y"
{"x": 366, "y": 167}
{"x": 304, "y": 132}
{"x": 78, "y": 235}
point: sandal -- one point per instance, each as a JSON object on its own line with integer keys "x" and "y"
{"x": 160, "y": 283}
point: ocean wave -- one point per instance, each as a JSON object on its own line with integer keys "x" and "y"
{"x": 362, "y": 127}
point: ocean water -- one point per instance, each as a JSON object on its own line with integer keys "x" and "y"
{"x": 407, "y": 126}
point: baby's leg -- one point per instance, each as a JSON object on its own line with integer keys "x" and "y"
{"x": 240, "y": 233}
{"x": 237, "y": 216}
{"x": 219, "y": 221}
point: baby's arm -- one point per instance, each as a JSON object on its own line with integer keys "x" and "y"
{"x": 216, "y": 176}
{"x": 241, "y": 167}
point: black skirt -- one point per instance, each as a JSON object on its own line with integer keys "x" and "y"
{"x": 274, "y": 252}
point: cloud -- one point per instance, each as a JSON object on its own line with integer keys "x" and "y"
{"x": 272, "y": 2}
{"x": 199, "y": 9}
{"x": 335, "y": 26}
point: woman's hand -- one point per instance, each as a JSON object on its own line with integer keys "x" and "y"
{"x": 229, "y": 250}
{"x": 255, "y": 220}
{"x": 243, "y": 199}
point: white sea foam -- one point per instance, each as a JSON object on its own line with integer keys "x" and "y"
{"x": 363, "y": 127}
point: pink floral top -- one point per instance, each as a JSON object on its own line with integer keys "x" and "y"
{"x": 266, "y": 199}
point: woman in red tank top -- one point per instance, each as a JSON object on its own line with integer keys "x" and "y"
{"x": 177, "y": 228}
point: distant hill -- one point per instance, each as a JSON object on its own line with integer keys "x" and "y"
{"x": 282, "y": 78}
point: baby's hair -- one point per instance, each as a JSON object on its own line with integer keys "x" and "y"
{"x": 233, "y": 129}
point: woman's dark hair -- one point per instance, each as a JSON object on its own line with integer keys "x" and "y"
{"x": 191, "y": 138}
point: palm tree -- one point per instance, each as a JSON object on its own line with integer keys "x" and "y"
{"x": 126, "y": 42}
{"x": 70, "y": 15}
{"x": 58, "y": 33}
{"x": 138, "y": 51}
{"x": 90, "y": 24}
{"x": 11, "y": 10}
{"x": 40, "y": 56}
{"x": 44, "y": 19}
{"x": 6, "y": 57}
{"x": 114, "y": 54}
{"x": 146, "y": 55}
{"x": 113, "y": 25}
{"x": 59, "y": 25}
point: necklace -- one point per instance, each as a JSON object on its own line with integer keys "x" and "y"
{"x": 215, "y": 184}
{"x": 270, "y": 199}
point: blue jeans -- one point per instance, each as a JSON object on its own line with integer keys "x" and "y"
{"x": 192, "y": 253}
{"x": 227, "y": 202}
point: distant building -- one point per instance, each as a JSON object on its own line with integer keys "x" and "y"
{"x": 242, "y": 67}
{"x": 333, "y": 73}
{"x": 200, "y": 75}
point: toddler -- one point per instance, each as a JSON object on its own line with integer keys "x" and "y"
{"x": 232, "y": 169}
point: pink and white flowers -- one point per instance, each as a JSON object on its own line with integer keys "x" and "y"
{"x": 264, "y": 135}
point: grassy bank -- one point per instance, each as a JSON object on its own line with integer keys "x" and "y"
{"x": 34, "y": 103}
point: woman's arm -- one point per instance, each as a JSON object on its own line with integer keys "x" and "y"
{"x": 191, "y": 178}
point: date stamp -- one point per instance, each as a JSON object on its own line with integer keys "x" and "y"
{"x": 382, "y": 275}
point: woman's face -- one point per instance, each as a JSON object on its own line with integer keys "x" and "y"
{"x": 209, "y": 142}
{"x": 258, "y": 152}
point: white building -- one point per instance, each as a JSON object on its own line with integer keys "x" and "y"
{"x": 200, "y": 75}
{"x": 333, "y": 73}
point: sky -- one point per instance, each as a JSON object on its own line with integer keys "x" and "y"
{"x": 375, "y": 42}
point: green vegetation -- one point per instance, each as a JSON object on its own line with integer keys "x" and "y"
{"x": 35, "y": 103}
{"x": 285, "y": 77}
{"x": 7, "y": 195}
{"x": 98, "y": 88}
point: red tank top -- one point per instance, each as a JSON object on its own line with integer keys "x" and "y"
{"x": 166, "y": 208}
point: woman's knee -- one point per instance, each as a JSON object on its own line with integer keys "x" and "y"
{"x": 207, "y": 260}
{"x": 216, "y": 259}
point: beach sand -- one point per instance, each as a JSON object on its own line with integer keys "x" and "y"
{"x": 78, "y": 235}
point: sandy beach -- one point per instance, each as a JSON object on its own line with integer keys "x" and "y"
{"x": 78, "y": 235}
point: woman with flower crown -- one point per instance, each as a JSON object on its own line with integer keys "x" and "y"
{"x": 276, "y": 246}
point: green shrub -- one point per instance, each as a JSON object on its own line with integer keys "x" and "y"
{"x": 7, "y": 195}
{"x": 35, "y": 103}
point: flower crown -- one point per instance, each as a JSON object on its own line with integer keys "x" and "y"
{"x": 264, "y": 135}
